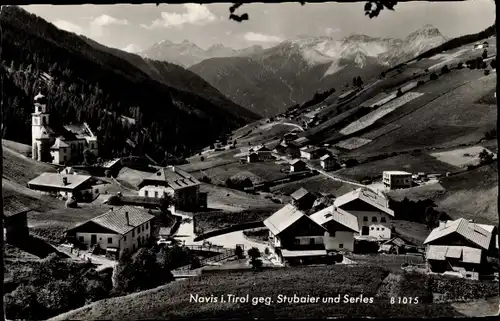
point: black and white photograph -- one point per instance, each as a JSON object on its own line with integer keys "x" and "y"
{"x": 249, "y": 160}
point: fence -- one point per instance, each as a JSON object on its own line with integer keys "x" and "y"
{"x": 224, "y": 254}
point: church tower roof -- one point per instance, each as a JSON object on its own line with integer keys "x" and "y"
{"x": 39, "y": 98}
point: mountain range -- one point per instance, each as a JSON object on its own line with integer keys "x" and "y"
{"x": 99, "y": 85}
{"x": 187, "y": 54}
{"x": 269, "y": 81}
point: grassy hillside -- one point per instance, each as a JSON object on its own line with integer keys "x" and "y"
{"x": 173, "y": 301}
{"x": 95, "y": 84}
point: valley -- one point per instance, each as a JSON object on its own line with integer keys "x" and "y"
{"x": 315, "y": 167}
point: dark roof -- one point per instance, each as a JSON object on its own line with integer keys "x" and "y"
{"x": 174, "y": 177}
{"x": 296, "y": 161}
{"x": 78, "y": 129}
{"x": 116, "y": 220}
{"x": 11, "y": 207}
{"x": 298, "y": 194}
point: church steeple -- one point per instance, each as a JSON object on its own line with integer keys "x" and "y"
{"x": 39, "y": 134}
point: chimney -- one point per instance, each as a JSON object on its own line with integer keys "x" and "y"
{"x": 127, "y": 218}
{"x": 65, "y": 181}
{"x": 111, "y": 209}
{"x": 442, "y": 224}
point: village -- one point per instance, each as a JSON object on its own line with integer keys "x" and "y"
{"x": 307, "y": 228}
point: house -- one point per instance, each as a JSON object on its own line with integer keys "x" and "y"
{"x": 172, "y": 181}
{"x": 297, "y": 166}
{"x": 396, "y": 245}
{"x": 79, "y": 187}
{"x": 281, "y": 148}
{"x": 294, "y": 237}
{"x": 460, "y": 245}
{"x": 340, "y": 227}
{"x": 124, "y": 228}
{"x": 301, "y": 141}
{"x": 303, "y": 199}
{"x": 58, "y": 145}
{"x": 397, "y": 179}
{"x": 252, "y": 157}
{"x": 311, "y": 152}
{"x": 290, "y": 137}
{"x": 293, "y": 150}
{"x": 328, "y": 162}
{"x": 372, "y": 211}
{"x": 262, "y": 153}
{"x": 15, "y": 220}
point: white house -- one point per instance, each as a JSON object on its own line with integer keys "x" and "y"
{"x": 181, "y": 186}
{"x": 460, "y": 246}
{"x": 121, "y": 228}
{"x": 372, "y": 211}
{"x": 58, "y": 145}
{"x": 81, "y": 187}
{"x": 397, "y": 179}
{"x": 328, "y": 162}
{"x": 340, "y": 228}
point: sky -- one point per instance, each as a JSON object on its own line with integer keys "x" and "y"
{"x": 137, "y": 27}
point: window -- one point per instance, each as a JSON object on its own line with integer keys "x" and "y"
{"x": 147, "y": 225}
{"x": 133, "y": 233}
{"x": 377, "y": 229}
{"x": 156, "y": 194}
{"x": 146, "y": 193}
{"x": 296, "y": 242}
{"x": 44, "y": 120}
{"x": 66, "y": 193}
{"x": 383, "y": 220}
{"x": 138, "y": 230}
{"x": 81, "y": 239}
{"x": 365, "y": 218}
{"x": 332, "y": 234}
{"x": 311, "y": 241}
{"x": 100, "y": 239}
{"x": 64, "y": 157}
{"x": 372, "y": 228}
{"x": 374, "y": 219}
{"x": 110, "y": 240}
{"x": 64, "y": 149}
{"x": 341, "y": 246}
{"x": 142, "y": 228}
{"x": 133, "y": 247}
{"x": 125, "y": 238}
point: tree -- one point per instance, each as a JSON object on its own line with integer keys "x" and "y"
{"x": 493, "y": 63}
{"x": 238, "y": 251}
{"x": 399, "y": 93}
{"x": 485, "y": 54}
{"x": 445, "y": 70}
{"x": 485, "y": 157}
{"x": 255, "y": 261}
{"x": 434, "y": 76}
{"x": 88, "y": 157}
{"x": 202, "y": 158}
{"x": 460, "y": 65}
{"x": 359, "y": 82}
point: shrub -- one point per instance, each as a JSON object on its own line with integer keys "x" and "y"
{"x": 485, "y": 54}
{"x": 445, "y": 70}
{"x": 460, "y": 65}
{"x": 493, "y": 63}
{"x": 71, "y": 203}
{"x": 486, "y": 72}
{"x": 484, "y": 65}
{"x": 433, "y": 76}
{"x": 266, "y": 251}
{"x": 202, "y": 158}
{"x": 420, "y": 83}
{"x": 206, "y": 179}
{"x": 108, "y": 173}
{"x": 399, "y": 93}
{"x": 485, "y": 157}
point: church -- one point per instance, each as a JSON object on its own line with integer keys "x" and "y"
{"x": 58, "y": 145}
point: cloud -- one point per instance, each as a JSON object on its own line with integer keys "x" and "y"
{"x": 331, "y": 31}
{"x": 132, "y": 48}
{"x": 68, "y": 26}
{"x": 195, "y": 14}
{"x": 259, "y": 37}
{"x": 97, "y": 24}
{"x": 105, "y": 20}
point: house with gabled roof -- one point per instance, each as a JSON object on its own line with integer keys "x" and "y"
{"x": 15, "y": 219}
{"x": 328, "y": 162}
{"x": 372, "y": 211}
{"x": 460, "y": 246}
{"x": 79, "y": 187}
{"x": 176, "y": 183}
{"x": 303, "y": 199}
{"x": 297, "y": 165}
{"x": 295, "y": 236}
{"x": 122, "y": 228}
{"x": 340, "y": 228}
